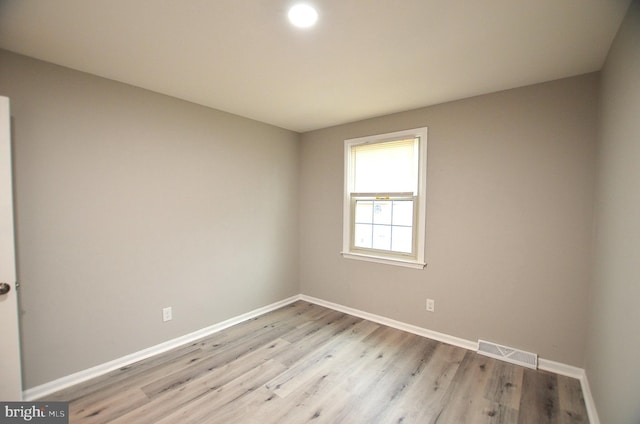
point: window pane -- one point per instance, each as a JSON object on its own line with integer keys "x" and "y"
{"x": 382, "y": 237}
{"x": 364, "y": 211}
{"x": 363, "y": 235}
{"x": 403, "y": 212}
{"x": 386, "y": 167}
{"x": 382, "y": 212}
{"x": 402, "y": 239}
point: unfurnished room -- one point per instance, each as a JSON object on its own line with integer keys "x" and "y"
{"x": 327, "y": 211}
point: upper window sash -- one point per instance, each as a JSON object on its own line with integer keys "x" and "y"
{"x": 368, "y": 160}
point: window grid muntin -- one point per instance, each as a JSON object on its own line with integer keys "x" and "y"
{"x": 386, "y": 197}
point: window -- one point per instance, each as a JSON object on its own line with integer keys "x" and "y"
{"x": 384, "y": 202}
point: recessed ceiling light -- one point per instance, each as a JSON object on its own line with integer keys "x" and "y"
{"x": 303, "y": 15}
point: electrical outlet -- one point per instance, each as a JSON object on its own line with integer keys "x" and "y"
{"x": 167, "y": 314}
{"x": 431, "y": 305}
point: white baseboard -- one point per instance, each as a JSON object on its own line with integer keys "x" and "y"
{"x": 441, "y": 337}
{"x": 588, "y": 400}
{"x": 560, "y": 368}
{"x": 81, "y": 376}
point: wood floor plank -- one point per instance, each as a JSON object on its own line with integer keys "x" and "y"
{"x": 316, "y": 333}
{"x": 206, "y": 408}
{"x": 504, "y": 387}
{"x": 214, "y": 359}
{"x": 105, "y": 409}
{"x": 254, "y": 407}
{"x": 393, "y": 380}
{"x": 329, "y": 388}
{"x": 304, "y": 363}
{"x": 206, "y": 383}
{"x": 539, "y": 401}
{"x": 423, "y": 400}
{"x": 317, "y": 403}
{"x": 465, "y": 401}
{"x": 571, "y": 401}
{"x": 333, "y": 355}
{"x": 101, "y": 400}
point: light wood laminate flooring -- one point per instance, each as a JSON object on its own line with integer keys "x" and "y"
{"x": 304, "y": 363}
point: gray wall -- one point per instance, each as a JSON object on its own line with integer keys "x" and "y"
{"x": 614, "y": 340}
{"x": 128, "y": 201}
{"x": 509, "y": 219}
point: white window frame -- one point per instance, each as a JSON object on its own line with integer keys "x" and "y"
{"x": 349, "y": 251}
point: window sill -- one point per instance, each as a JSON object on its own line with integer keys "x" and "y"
{"x": 407, "y": 263}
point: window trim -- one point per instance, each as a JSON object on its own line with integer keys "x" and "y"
{"x": 416, "y": 261}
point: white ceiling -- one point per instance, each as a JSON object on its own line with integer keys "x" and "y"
{"x": 364, "y": 58}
